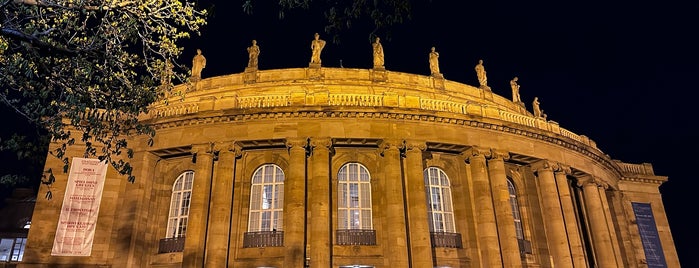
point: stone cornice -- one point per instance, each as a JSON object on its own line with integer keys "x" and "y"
{"x": 524, "y": 131}
{"x": 653, "y": 179}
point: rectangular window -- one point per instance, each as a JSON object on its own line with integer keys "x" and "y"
{"x": 18, "y": 250}
{"x": 6, "y": 248}
{"x": 12, "y": 249}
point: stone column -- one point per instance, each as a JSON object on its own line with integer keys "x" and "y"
{"x": 195, "y": 242}
{"x": 295, "y": 204}
{"x": 553, "y": 215}
{"x": 221, "y": 198}
{"x": 601, "y": 241}
{"x": 485, "y": 216}
{"x": 569, "y": 216}
{"x": 418, "y": 225}
{"x": 507, "y": 234}
{"x": 320, "y": 189}
{"x": 397, "y": 246}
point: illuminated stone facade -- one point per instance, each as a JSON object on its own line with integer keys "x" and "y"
{"x": 339, "y": 167}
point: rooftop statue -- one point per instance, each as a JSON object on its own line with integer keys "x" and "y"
{"x": 317, "y": 46}
{"x": 198, "y": 64}
{"x": 254, "y": 53}
{"x": 515, "y": 90}
{"x": 434, "y": 62}
{"x": 535, "y": 107}
{"x": 480, "y": 72}
{"x": 378, "y": 54}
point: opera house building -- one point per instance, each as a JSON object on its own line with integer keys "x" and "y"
{"x": 352, "y": 168}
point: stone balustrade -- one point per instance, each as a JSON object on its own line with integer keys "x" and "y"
{"x": 403, "y": 91}
{"x": 638, "y": 169}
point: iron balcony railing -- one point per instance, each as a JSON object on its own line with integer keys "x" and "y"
{"x": 167, "y": 245}
{"x": 263, "y": 239}
{"x": 355, "y": 237}
{"x": 445, "y": 240}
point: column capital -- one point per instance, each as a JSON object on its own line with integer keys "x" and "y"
{"x": 296, "y": 142}
{"x": 499, "y": 154}
{"x": 390, "y": 144}
{"x": 564, "y": 169}
{"x": 416, "y": 145}
{"x": 230, "y": 147}
{"x": 325, "y": 143}
{"x": 476, "y": 152}
{"x": 592, "y": 180}
{"x": 544, "y": 165}
{"x": 208, "y": 148}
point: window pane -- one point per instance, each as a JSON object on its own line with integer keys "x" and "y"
{"x": 446, "y": 196}
{"x": 342, "y": 174}
{"x": 364, "y": 175}
{"x": 279, "y": 197}
{"x": 18, "y": 250}
{"x": 342, "y": 218}
{"x": 278, "y": 221}
{"x": 515, "y": 209}
{"x": 5, "y": 248}
{"x": 354, "y": 195}
{"x": 366, "y": 219}
{"x": 436, "y": 199}
{"x": 342, "y": 195}
{"x": 254, "y": 221}
{"x": 449, "y": 223}
{"x": 438, "y": 223}
{"x": 354, "y": 219}
{"x": 366, "y": 195}
{"x": 267, "y": 197}
{"x": 266, "y": 221}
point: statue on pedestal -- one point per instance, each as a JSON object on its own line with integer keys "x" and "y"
{"x": 378, "y": 54}
{"x": 515, "y": 90}
{"x": 317, "y": 46}
{"x": 198, "y": 64}
{"x": 434, "y": 62}
{"x": 253, "y": 53}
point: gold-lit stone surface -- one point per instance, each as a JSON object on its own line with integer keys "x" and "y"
{"x": 310, "y": 122}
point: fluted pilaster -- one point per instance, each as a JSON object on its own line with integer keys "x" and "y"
{"x": 553, "y": 214}
{"x": 395, "y": 210}
{"x": 418, "y": 227}
{"x": 321, "y": 247}
{"x": 295, "y": 203}
{"x": 485, "y": 216}
{"x": 503, "y": 210}
{"x": 195, "y": 243}
{"x": 601, "y": 240}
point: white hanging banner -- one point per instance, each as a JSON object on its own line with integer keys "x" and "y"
{"x": 81, "y": 205}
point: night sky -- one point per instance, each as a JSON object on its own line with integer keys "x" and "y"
{"x": 622, "y": 73}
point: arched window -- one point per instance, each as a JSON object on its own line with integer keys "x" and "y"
{"x": 354, "y": 197}
{"x": 515, "y": 209}
{"x": 267, "y": 199}
{"x": 179, "y": 205}
{"x": 439, "y": 205}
